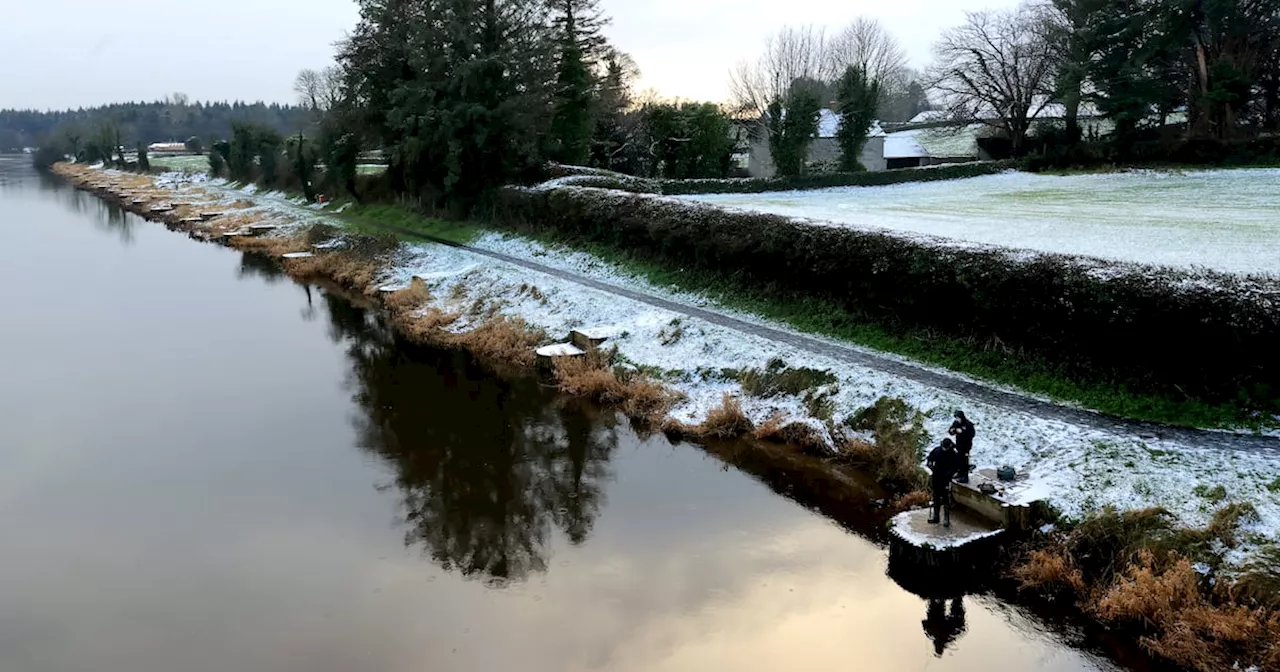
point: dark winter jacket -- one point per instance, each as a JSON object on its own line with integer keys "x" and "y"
{"x": 964, "y": 431}
{"x": 945, "y": 464}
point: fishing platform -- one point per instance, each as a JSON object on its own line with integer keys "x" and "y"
{"x": 984, "y": 512}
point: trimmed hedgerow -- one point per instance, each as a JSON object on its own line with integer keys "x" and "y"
{"x": 829, "y": 180}
{"x": 1201, "y": 334}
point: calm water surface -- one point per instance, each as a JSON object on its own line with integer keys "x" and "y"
{"x": 206, "y": 467}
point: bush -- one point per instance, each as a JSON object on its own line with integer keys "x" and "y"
{"x": 1094, "y": 319}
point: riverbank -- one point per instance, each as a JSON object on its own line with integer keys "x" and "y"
{"x": 693, "y": 376}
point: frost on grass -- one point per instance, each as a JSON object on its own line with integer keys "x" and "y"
{"x": 1142, "y": 216}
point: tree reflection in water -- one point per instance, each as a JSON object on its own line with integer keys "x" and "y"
{"x": 106, "y": 215}
{"x": 485, "y": 467}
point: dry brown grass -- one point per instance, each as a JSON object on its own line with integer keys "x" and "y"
{"x": 1050, "y": 572}
{"x": 415, "y": 296}
{"x": 591, "y": 377}
{"x": 428, "y": 327}
{"x": 272, "y": 246}
{"x": 502, "y": 340}
{"x": 348, "y": 269}
{"x": 780, "y": 429}
{"x": 727, "y": 421}
{"x": 915, "y": 499}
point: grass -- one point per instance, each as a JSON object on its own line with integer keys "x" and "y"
{"x": 727, "y": 421}
{"x": 375, "y": 218}
{"x": 1213, "y": 495}
{"x": 899, "y": 440}
{"x": 778, "y": 379}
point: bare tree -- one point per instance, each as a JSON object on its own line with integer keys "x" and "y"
{"x": 997, "y": 70}
{"x": 319, "y": 90}
{"x": 793, "y": 55}
{"x": 867, "y": 45}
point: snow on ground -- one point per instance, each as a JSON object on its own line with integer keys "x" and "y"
{"x": 1224, "y": 220}
{"x": 1079, "y": 469}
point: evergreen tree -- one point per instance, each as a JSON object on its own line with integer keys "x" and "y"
{"x": 454, "y": 90}
{"x": 792, "y": 125}
{"x": 617, "y": 126}
{"x": 144, "y": 163}
{"x": 243, "y": 151}
{"x": 302, "y": 162}
{"x": 269, "y": 143}
{"x": 857, "y": 97}
{"x": 577, "y": 25}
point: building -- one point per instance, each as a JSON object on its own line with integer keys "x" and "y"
{"x": 883, "y": 151}
{"x": 918, "y": 147}
{"x": 825, "y": 149}
{"x": 167, "y": 147}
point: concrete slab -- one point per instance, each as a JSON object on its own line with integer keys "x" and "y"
{"x": 913, "y": 527}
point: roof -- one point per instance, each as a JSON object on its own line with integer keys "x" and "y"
{"x": 829, "y": 125}
{"x": 903, "y": 145}
{"x": 940, "y": 143}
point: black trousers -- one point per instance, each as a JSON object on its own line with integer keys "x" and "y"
{"x": 942, "y": 499}
{"x": 963, "y": 474}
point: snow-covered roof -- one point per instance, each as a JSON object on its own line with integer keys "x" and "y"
{"x": 932, "y": 142}
{"x": 928, "y": 116}
{"x": 903, "y": 145}
{"x": 829, "y": 125}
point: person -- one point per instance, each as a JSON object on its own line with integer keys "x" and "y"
{"x": 943, "y": 462}
{"x": 964, "y": 431}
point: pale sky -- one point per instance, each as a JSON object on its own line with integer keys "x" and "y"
{"x": 71, "y": 53}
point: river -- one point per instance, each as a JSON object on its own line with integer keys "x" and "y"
{"x": 207, "y": 467}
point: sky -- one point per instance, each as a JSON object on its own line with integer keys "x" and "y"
{"x": 71, "y": 53}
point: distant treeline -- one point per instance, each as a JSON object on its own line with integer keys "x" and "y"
{"x": 174, "y": 120}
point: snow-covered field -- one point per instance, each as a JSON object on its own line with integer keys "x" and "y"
{"x": 1225, "y": 220}
{"x": 1079, "y": 469}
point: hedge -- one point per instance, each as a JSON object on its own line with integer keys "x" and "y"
{"x": 828, "y": 180}
{"x": 1198, "y": 333}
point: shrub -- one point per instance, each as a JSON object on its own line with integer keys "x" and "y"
{"x": 727, "y": 421}
{"x": 1149, "y": 596}
{"x": 1051, "y": 572}
{"x": 777, "y": 379}
{"x": 1091, "y": 318}
{"x": 591, "y": 377}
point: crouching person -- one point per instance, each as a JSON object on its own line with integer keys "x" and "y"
{"x": 944, "y": 461}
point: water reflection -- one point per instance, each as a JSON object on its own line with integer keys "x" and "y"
{"x": 106, "y": 215}
{"x": 944, "y": 627}
{"x": 264, "y": 267}
{"x": 485, "y": 467}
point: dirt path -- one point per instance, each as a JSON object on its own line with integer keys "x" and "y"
{"x": 973, "y": 390}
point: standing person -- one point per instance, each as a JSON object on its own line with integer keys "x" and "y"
{"x": 943, "y": 461}
{"x": 964, "y": 431}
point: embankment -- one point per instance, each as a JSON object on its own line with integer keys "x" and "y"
{"x": 1183, "y": 335}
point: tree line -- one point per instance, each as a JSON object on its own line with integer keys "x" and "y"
{"x": 174, "y": 119}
